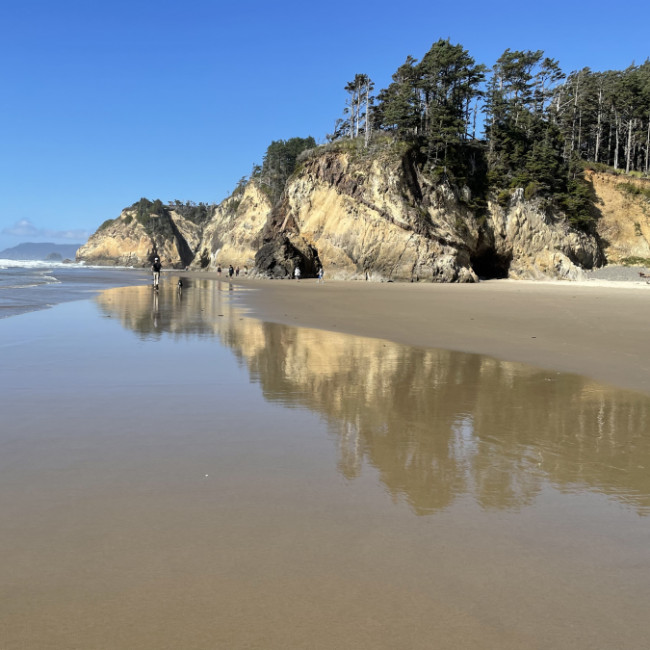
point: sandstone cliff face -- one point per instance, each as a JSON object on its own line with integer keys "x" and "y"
{"x": 123, "y": 243}
{"x": 233, "y": 235}
{"x": 374, "y": 219}
{"x": 529, "y": 243}
{"x": 380, "y": 219}
{"x": 377, "y": 218}
{"x": 126, "y": 242}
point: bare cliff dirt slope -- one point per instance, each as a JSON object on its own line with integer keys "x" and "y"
{"x": 624, "y": 223}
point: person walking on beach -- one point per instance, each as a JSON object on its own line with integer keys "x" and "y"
{"x": 320, "y": 274}
{"x": 231, "y": 271}
{"x": 296, "y": 273}
{"x": 156, "y": 267}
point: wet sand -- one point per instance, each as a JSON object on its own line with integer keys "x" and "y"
{"x": 174, "y": 474}
{"x": 600, "y": 330}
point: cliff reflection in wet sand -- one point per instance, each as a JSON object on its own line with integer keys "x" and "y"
{"x": 437, "y": 425}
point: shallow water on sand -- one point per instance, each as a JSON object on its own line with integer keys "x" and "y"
{"x": 33, "y": 285}
{"x": 174, "y": 474}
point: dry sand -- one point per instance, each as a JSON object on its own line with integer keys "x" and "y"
{"x": 596, "y": 329}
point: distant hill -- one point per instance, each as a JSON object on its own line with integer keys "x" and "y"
{"x": 40, "y": 251}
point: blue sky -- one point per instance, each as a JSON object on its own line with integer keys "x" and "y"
{"x": 104, "y": 103}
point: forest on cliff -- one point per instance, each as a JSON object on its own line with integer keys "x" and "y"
{"x": 523, "y": 123}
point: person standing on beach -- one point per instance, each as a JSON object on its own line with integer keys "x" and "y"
{"x": 296, "y": 273}
{"x": 320, "y": 274}
{"x": 156, "y": 267}
{"x": 231, "y": 270}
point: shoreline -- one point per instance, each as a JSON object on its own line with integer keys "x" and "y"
{"x": 595, "y": 328}
{"x": 26, "y": 287}
{"x": 591, "y": 329}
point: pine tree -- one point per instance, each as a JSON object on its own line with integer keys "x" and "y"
{"x": 447, "y": 79}
{"x": 357, "y": 110}
{"x": 399, "y": 107}
{"x": 524, "y": 148}
{"x": 280, "y": 162}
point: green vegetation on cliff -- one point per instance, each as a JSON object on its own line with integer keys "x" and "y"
{"x": 197, "y": 213}
{"x": 635, "y": 191}
{"x": 150, "y": 214}
{"x": 539, "y": 126}
{"x": 155, "y": 216}
{"x": 106, "y": 224}
{"x": 279, "y": 163}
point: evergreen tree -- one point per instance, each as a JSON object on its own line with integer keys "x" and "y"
{"x": 524, "y": 145}
{"x": 280, "y": 162}
{"x": 359, "y": 104}
{"x": 357, "y": 110}
{"x": 540, "y": 126}
{"x": 605, "y": 116}
{"x": 399, "y": 107}
{"x": 447, "y": 79}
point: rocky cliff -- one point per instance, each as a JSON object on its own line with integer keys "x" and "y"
{"x": 371, "y": 218}
{"x": 131, "y": 240}
{"x": 234, "y": 234}
{"x": 378, "y": 217}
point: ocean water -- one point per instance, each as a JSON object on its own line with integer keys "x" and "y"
{"x": 27, "y": 285}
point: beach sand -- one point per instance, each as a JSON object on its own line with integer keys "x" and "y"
{"x": 175, "y": 474}
{"x": 598, "y": 329}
